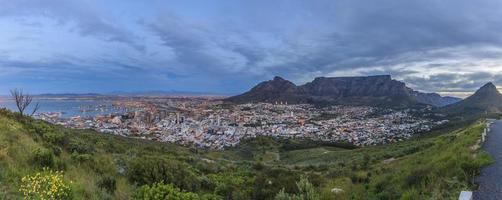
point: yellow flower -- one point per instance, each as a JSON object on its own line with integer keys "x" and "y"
{"x": 47, "y": 184}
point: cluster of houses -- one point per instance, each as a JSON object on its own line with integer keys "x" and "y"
{"x": 211, "y": 124}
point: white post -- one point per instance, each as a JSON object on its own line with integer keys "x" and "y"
{"x": 465, "y": 195}
{"x": 483, "y": 135}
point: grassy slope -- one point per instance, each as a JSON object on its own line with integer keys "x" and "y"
{"x": 18, "y": 142}
{"x": 434, "y": 167}
{"x": 437, "y": 166}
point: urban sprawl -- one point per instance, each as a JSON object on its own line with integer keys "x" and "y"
{"x": 209, "y": 123}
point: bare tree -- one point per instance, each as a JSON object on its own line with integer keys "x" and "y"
{"x": 35, "y": 109}
{"x": 23, "y": 101}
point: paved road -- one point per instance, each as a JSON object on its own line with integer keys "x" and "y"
{"x": 490, "y": 180}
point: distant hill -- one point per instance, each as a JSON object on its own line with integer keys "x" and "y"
{"x": 163, "y": 93}
{"x": 435, "y": 99}
{"x": 486, "y": 99}
{"x": 125, "y": 93}
{"x": 379, "y": 90}
{"x": 69, "y": 95}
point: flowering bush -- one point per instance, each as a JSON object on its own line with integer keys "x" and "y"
{"x": 47, "y": 184}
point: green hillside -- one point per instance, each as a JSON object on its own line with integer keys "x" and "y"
{"x": 99, "y": 166}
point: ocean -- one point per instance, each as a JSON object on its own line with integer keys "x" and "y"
{"x": 67, "y": 107}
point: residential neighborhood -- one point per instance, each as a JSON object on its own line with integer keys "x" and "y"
{"x": 211, "y": 124}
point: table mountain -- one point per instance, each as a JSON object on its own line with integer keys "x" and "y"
{"x": 379, "y": 90}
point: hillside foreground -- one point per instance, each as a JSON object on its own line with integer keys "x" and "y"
{"x": 100, "y": 166}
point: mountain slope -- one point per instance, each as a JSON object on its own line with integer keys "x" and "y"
{"x": 379, "y": 90}
{"x": 277, "y": 89}
{"x": 103, "y": 166}
{"x": 486, "y": 99}
{"x": 435, "y": 99}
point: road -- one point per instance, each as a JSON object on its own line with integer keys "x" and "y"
{"x": 490, "y": 179}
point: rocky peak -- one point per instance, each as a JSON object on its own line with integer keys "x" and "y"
{"x": 486, "y": 99}
{"x": 278, "y": 78}
{"x": 274, "y": 86}
{"x": 487, "y": 89}
{"x": 277, "y": 82}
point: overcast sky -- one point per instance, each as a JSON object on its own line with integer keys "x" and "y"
{"x": 57, "y": 46}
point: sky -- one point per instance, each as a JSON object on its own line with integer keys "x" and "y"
{"x": 227, "y": 46}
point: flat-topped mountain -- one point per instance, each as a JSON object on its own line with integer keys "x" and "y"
{"x": 486, "y": 99}
{"x": 379, "y": 90}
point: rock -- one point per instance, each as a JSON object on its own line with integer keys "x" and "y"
{"x": 387, "y": 161}
{"x": 337, "y": 190}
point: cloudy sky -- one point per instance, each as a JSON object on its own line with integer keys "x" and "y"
{"x": 451, "y": 47}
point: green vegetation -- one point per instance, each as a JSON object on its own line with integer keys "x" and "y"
{"x": 306, "y": 191}
{"x": 45, "y": 185}
{"x": 160, "y": 191}
{"x": 100, "y": 166}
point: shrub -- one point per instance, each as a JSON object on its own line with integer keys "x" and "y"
{"x": 161, "y": 191}
{"x": 410, "y": 195}
{"x": 47, "y": 184}
{"x": 56, "y": 138}
{"x": 79, "y": 147}
{"x": 43, "y": 158}
{"x": 230, "y": 186}
{"x": 156, "y": 169}
{"x": 258, "y": 166}
{"x": 81, "y": 158}
{"x": 108, "y": 183}
{"x": 306, "y": 191}
{"x": 359, "y": 177}
{"x": 417, "y": 175}
{"x": 56, "y": 150}
{"x": 40, "y": 127}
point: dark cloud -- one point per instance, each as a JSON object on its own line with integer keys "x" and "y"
{"x": 87, "y": 20}
{"x": 453, "y": 82}
{"x": 432, "y": 45}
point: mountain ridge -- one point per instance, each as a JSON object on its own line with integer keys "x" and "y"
{"x": 378, "y": 90}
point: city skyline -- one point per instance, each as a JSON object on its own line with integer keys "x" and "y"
{"x": 226, "y": 47}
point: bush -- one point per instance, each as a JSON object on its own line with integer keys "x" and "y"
{"x": 230, "y": 186}
{"x": 108, "y": 183}
{"x": 306, "y": 191}
{"x": 43, "y": 158}
{"x": 55, "y": 138}
{"x": 81, "y": 158}
{"x": 80, "y": 147}
{"x": 41, "y": 128}
{"x": 359, "y": 177}
{"x": 56, "y": 150}
{"x": 47, "y": 184}
{"x": 155, "y": 169}
{"x": 417, "y": 175}
{"x": 161, "y": 191}
{"x": 410, "y": 195}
